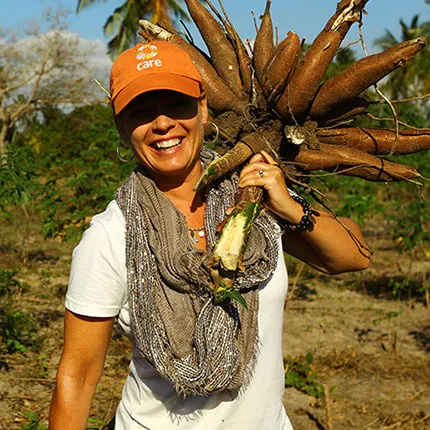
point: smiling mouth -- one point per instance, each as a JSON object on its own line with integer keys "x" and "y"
{"x": 167, "y": 144}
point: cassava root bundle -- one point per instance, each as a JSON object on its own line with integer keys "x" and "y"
{"x": 274, "y": 99}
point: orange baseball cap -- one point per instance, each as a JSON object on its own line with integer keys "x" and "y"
{"x": 157, "y": 65}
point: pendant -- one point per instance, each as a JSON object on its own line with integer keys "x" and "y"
{"x": 196, "y": 234}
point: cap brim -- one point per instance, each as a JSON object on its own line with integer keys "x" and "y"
{"x": 159, "y": 81}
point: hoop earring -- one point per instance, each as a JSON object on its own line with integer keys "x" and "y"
{"x": 215, "y": 139}
{"x": 118, "y": 153}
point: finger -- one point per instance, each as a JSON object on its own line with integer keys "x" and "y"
{"x": 254, "y": 167}
{"x": 254, "y": 181}
{"x": 258, "y": 166}
{"x": 256, "y": 158}
{"x": 268, "y": 158}
{"x": 268, "y": 177}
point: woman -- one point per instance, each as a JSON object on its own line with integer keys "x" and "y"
{"x": 143, "y": 261}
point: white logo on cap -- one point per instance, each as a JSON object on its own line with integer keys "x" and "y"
{"x": 148, "y": 53}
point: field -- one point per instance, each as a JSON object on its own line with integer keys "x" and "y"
{"x": 356, "y": 346}
{"x": 364, "y": 337}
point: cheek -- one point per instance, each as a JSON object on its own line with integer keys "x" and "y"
{"x": 137, "y": 136}
{"x": 199, "y": 128}
{"x": 199, "y": 137}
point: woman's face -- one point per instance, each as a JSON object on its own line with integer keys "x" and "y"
{"x": 165, "y": 129}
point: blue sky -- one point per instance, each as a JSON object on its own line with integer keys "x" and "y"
{"x": 306, "y": 17}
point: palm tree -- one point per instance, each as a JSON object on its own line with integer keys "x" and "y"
{"x": 413, "y": 78}
{"x": 124, "y": 21}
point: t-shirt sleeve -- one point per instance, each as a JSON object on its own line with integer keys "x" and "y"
{"x": 97, "y": 283}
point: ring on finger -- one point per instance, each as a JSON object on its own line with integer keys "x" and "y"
{"x": 261, "y": 173}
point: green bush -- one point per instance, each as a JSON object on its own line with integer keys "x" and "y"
{"x": 300, "y": 374}
{"x": 33, "y": 421}
{"x": 19, "y": 179}
{"x": 74, "y": 158}
{"x": 17, "y": 327}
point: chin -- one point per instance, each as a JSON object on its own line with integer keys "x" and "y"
{"x": 175, "y": 170}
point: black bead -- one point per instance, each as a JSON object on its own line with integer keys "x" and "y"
{"x": 305, "y": 222}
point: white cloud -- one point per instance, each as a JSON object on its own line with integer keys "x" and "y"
{"x": 98, "y": 58}
{"x": 71, "y": 58}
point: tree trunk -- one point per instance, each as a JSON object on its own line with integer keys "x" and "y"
{"x": 4, "y": 137}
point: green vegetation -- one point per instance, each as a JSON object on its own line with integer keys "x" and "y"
{"x": 387, "y": 316}
{"x": 411, "y": 80}
{"x": 300, "y": 374}
{"x": 16, "y": 326}
{"x": 123, "y": 23}
{"x": 33, "y": 421}
{"x": 60, "y": 167}
{"x": 65, "y": 168}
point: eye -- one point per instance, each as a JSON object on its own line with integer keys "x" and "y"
{"x": 138, "y": 113}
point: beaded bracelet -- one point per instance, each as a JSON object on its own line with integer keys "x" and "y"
{"x": 306, "y": 221}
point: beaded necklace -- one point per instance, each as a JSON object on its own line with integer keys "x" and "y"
{"x": 196, "y": 233}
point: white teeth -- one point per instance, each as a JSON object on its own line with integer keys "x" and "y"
{"x": 167, "y": 143}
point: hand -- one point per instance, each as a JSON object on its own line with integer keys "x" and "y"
{"x": 329, "y": 247}
{"x": 263, "y": 171}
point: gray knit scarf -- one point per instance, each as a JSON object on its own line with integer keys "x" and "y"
{"x": 199, "y": 346}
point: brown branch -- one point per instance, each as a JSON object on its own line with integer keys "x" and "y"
{"x": 227, "y": 25}
{"x": 41, "y": 73}
{"x": 393, "y": 426}
{"x": 19, "y": 85}
{"x": 17, "y": 114}
{"x": 224, "y": 12}
{"x": 102, "y": 88}
{"x": 374, "y": 117}
{"x": 371, "y": 423}
{"x": 336, "y": 125}
{"x": 328, "y": 411}
{"x": 396, "y": 119}
{"x": 255, "y": 21}
{"x": 347, "y": 46}
{"x": 381, "y": 94}
{"x": 188, "y": 35}
{"x": 411, "y": 99}
{"x": 322, "y": 175}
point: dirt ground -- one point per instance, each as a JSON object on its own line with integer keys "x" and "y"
{"x": 370, "y": 349}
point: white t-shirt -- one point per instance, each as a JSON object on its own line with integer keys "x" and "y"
{"x": 98, "y": 288}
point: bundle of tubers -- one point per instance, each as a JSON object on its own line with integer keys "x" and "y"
{"x": 274, "y": 99}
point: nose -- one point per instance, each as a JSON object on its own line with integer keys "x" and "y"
{"x": 162, "y": 123}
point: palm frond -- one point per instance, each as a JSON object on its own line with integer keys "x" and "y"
{"x": 178, "y": 11}
{"x": 83, "y": 4}
{"x": 386, "y": 41}
{"x": 115, "y": 20}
